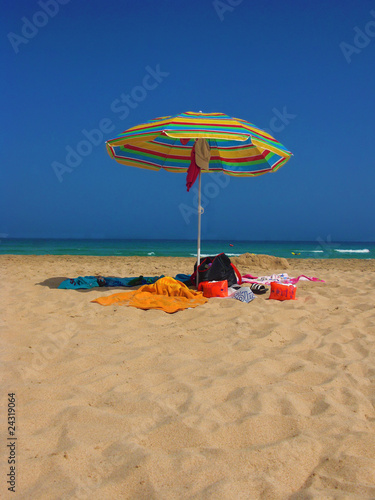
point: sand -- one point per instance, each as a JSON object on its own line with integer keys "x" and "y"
{"x": 268, "y": 400}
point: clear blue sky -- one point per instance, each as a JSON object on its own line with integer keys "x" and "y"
{"x": 66, "y": 66}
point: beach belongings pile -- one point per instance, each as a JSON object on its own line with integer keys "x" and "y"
{"x": 218, "y": 277}
{"x": 166, "y": 294}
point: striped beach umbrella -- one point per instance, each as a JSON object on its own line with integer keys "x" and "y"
{"x": 237, "y": 147}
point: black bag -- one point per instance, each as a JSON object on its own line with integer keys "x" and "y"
{"x": 218, "y": 268}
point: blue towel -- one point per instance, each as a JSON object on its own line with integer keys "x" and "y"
{"x": 80, "y": 282}
{"x": 87, "y": 282}
{"x": 184, "y": 278}
{"x": 141, "y": 280}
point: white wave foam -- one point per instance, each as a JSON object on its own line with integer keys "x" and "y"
{"x": 310, "y": 251}
{"x": 210, "y": 255}
{"x": 349, "y": 250}
{"x": 151, "y": 253}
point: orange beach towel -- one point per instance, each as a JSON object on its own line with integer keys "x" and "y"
{"x": 166, "y": 294}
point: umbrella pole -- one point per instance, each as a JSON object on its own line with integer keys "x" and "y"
{"x": 199, "y": 228}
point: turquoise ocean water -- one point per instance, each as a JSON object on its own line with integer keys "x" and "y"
{"x": 188, "y": 248}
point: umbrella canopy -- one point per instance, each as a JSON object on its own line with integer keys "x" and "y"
{"x": 237, "y": 147}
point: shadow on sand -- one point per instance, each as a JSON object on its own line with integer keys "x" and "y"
{"x": 52, "y": 282}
